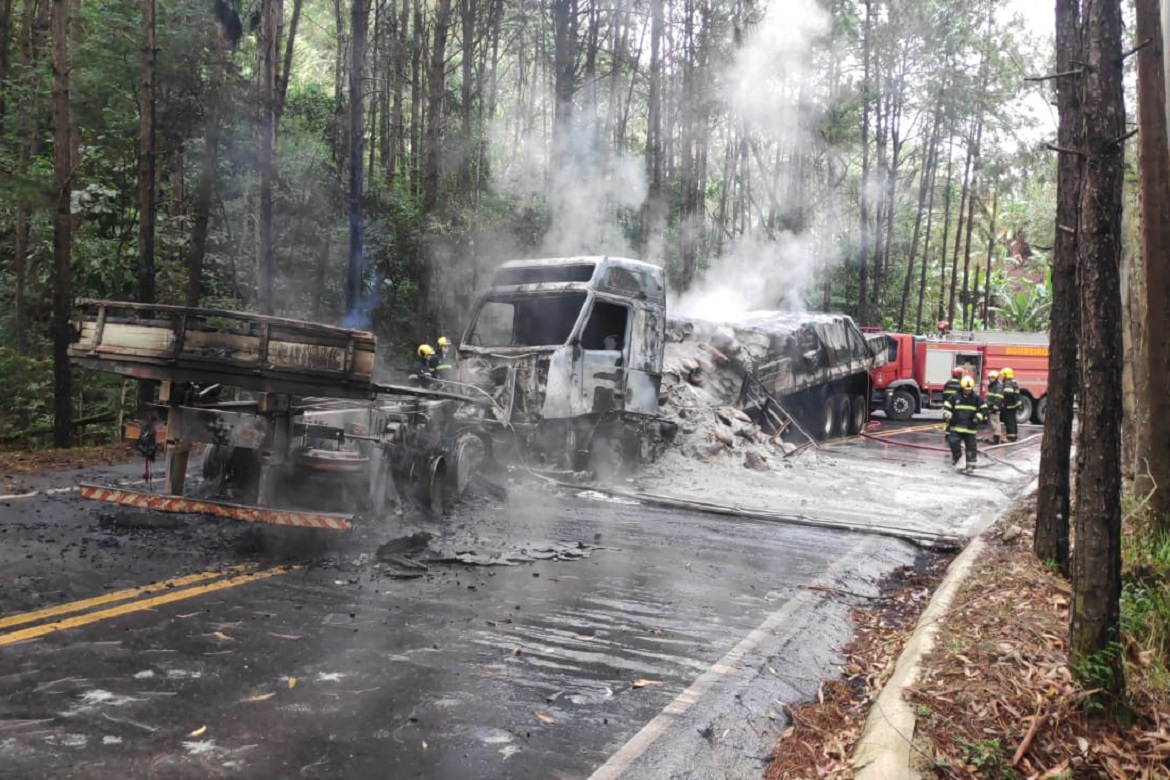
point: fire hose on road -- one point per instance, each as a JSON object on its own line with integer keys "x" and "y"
{"x": 932, "y": 448}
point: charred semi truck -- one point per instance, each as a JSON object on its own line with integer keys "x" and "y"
{"x": 579, "y": 356}
{"x": 569, "y": 363}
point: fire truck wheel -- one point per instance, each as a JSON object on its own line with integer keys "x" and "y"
{"x": 1041, "y": 409}
{"x": 1024, "y": 413}
{"x": 900, "y": 406}
{"x": 860, "y": 413}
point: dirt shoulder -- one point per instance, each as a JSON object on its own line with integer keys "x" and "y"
{"x": 20, "y": 462}
{"x": 995, "y": 698}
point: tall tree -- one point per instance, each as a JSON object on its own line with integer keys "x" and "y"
{"x": 1051, "y": 542}
{"x": 1153, "y": 431}
{"x": 268, "y": 54}
{"x": 436, "y": 77}
{"x": 146, "y": 159}
{"x": 1096, "y": 565}
{"x": 359, "y": 22}
{"x": 62, "y": 227}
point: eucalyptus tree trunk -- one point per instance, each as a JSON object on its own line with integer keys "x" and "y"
{"x": 967, "y": 298}
{"x": 994, "y": 219}
{"x": 268, "y": 52}
{"x": 436, "y": 81}
{"x": 359, "y": 24}
{"x": 964, "y": 194}
{"x": 62, "y": 226}
{"x": 1051, "y": 540}
{"x": 863, "y": 196}
{"x": 146, "y": 159}
{"x": 467, "y": 15}
{"x": 5, "y": 53}
{"x": 654, "y": 147}
{"x": 942, "y": 258}
{"x": 918, "y": 324}
{"x": 1152, "y": 467}
{"x": 1094, "y": 622}
{"x": 924, "y": 190}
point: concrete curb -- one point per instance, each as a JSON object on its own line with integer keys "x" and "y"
{"x": 884, "y": 750}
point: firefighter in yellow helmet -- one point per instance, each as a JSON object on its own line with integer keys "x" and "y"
{"x": 1011, "y": 403}
{"x": 444, "y": 365}
{"x": 424, "y": 367}
{"x": 963, "y": 412}
{"x": 995, "y": 405}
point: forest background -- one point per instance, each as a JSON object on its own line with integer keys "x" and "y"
{"x": 370, "y": 163}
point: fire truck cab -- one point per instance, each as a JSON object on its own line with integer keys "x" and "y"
{"x": 917, "y": 369}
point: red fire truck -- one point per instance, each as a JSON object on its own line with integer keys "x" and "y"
{"x": 917, "y": 368}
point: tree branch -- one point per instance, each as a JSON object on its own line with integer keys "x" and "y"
{"x": 1126, "y": 137}
{"x": 1062, "y": 150}
{"x": 1125, "y": 55}
{"x": 1062, "y": 74}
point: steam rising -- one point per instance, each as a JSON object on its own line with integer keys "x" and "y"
{"x": 765, "y": 84}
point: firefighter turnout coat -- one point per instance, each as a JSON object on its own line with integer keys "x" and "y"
{"x": 995, "y": 396}
{"x": 967, "y": 411}
{"x": 950, "y": 388}
{"x": 1011, "y": 395}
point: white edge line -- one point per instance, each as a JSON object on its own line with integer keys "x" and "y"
{"x": 620, "y": 761}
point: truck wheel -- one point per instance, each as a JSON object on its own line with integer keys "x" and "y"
{"x": 827, "y": 419}
{"x": 860, "y": 413}
{"x": 1041, "y": 409}
{"x": 1024, "y": 413}
{"x": 900, "y": 406}
{"x": 844, "y": 415}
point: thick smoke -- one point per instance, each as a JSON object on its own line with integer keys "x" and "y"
{"x": 582, "y": 187}
{"x": 765, "y": 87}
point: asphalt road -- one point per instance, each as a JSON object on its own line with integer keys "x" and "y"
{"x": 548, "y": 635}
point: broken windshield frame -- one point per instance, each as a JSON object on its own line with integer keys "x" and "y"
{"x": 511, "y": 321}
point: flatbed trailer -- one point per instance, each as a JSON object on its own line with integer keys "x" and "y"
{"x": 316, "y": 415}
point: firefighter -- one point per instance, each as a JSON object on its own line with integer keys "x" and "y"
{"x": 963, "y": 412}
{"x": 424, "y": 368}
{"x": 441, "y": 364}
{"x": 995, "y": 405}
{"x": 952, "y": 385}
{"x": 1011, "y": 404}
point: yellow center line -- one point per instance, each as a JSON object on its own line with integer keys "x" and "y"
{"x": 118, "y": 595}
{"x": 138, "y": 606}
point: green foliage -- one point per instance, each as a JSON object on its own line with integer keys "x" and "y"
{"x": 26, "y": 385}
{"x": 988, "y": 757}
{"x": 1095, "y": 674}
{"x": 1025, "y": 311}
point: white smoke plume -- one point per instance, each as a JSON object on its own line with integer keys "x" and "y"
{"x": 764, "y": 87}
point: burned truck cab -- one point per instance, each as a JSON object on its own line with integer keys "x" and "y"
{"x": 566, "y": 345}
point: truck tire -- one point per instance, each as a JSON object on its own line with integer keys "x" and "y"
{"x": 901, "y": 406}
{"x": 859, "y": 414}
{"x": 844, "y": 413}
{"x": 1024, "y": 412}
{"x": 826, "y": 420}
{"x": 1041, "y": 409}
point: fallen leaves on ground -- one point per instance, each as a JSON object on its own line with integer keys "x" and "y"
{"x": 545, "y": 719}
{"x": 39, "y": 461}
{"x": 996, "y": 697}
{"x": 644, "y": 683}
{"x": 822, "y": 733}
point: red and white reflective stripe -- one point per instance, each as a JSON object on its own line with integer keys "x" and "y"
{"x": 248, "y": 514}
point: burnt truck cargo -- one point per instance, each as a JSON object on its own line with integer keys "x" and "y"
{"x": 773, "y": 365}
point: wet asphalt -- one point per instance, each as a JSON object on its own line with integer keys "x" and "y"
{"x": 545, "y": 635}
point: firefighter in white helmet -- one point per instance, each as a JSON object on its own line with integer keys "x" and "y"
{"x": 963, "y": 412}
